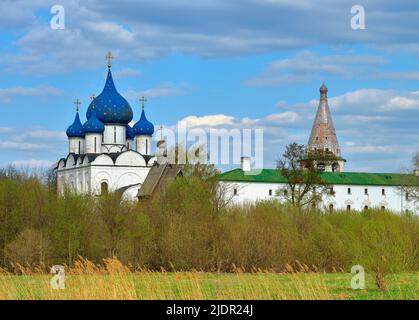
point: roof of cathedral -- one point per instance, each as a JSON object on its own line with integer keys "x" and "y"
{"x": 143, "y": 126}
{"x": 93, "y": 125}
{"x": 334, "y": 178}
{"x": 76, "y": 129}
{"x": 323, "y": 135}
{"x": 130, "y": 133}
{"x": 111, "y": 107}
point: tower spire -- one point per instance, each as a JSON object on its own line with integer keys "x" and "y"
{"x": 323, "y": 136}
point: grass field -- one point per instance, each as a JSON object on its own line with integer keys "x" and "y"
{"x": 200, "y": 285}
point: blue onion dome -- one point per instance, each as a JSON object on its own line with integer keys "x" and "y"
{"x": 93, "y": 125}
{"x": 76, "y": 129}
{"x": 143, "y": 126}
{"x": 130, "y": 133}
{"x": 111, "y": 107}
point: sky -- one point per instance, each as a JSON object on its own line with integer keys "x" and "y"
{"x": 215, "y": 64}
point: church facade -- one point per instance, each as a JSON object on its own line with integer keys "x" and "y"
{"x": 348, "y": 190}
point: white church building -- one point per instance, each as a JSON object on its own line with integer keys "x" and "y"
{"x": 106, "y": 154}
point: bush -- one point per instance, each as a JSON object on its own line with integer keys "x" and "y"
{"x": 185, "y": 227}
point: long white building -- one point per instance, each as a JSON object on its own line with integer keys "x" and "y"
{"x": 348, "y": 190}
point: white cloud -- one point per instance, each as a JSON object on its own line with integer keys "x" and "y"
{"x": 32, "y": 163}
{"x": 6, "y": 130}
{"x": 47, "y": 134}
{"x": 7, "y": 94}
{"x": 208, "y": 121}
{"x": 284, "y": 117}
{"x": 303, "y": 66}
{"x": 402, "y": 103}
{"x": 161, "y": 91}
{"x": 22, "y": 146}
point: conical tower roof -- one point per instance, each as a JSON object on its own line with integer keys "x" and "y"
{"x": 323, "y": 135}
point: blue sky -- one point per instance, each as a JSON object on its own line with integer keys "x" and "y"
{"x": 219, "y": 64}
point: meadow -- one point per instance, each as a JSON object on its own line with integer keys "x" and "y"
{"x": 112, "y": 280}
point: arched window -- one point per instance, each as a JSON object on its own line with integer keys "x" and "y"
{"x": 348, "y": 207}
{"x": 79, "y": 147}
{"x": 146, "y": 146}
{"x": 114, "y": 134}
{"x": 321, "y": 167}
{"x": 95, "y": 145}
{"x": 330, "y": 207}
{"x": 104, "y": 188}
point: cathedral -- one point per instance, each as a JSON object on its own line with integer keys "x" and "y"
{"x": 106, "y": 154}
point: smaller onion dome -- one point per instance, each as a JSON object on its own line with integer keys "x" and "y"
{"x": 130, "y": 133}
{"x": 143, "y": 126}
{"x": 93, "y": 125}
{"x": 76, "y": 129}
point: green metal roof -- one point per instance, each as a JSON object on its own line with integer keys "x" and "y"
{"x": 346, "y": 178}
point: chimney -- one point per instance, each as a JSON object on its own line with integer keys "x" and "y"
{"x": 245, "y": 164}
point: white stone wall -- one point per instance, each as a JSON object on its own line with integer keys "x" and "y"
{"x": 114, "y": 136}
{"x": 91, "y": 145}
{"x": 76, "y": 145}
{"x": 144, "y": 144}
{"x": 129, "y": 169}
{"x": 392, "y": 199}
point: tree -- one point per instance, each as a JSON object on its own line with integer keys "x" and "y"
{"x": 304, "y": 185}
{"x": 411, "y": 183}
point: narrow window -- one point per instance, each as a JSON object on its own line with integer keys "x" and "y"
{"x": 104, "y": 188}
{"x": 348, "y": 207}
{"x": 327, "y": 149}
{"x": 366, "y": 191}
{"x": 331, "y": 207}
{"x": 406, "y": 196}
{"x": 285, "y": 192}
{"x": 146, "y": 146}
{"x": 79, "y": 147}
{"x": 235, "y": 192}
{"x": 129, "y": 147}
{"x": 332, "y": 192}
{"x": 349, "y": 191}
{"x": 383, "y": 208}
{"x": 114, "y": 134}
{"x": 95, "y": 145}
{"x": 383, "y": 192}
{"x": 365, "y": 207}
{"x": 270, "y": 192}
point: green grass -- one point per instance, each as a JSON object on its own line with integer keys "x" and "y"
{"x": 201, "y": 285}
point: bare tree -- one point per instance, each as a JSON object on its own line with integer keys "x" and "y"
{"x": 304, "y": 185}
{"x": 410, "y": 187}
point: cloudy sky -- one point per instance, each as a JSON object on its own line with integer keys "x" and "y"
{"x": 216, "y": 63}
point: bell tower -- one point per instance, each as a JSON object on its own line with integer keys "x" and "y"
{"x": 323, "y": 146}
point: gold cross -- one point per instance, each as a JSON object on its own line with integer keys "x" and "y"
{"x": 77, "y": 103}
{"x": 109, "y": 57}
{"x": 143, "y": 100}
